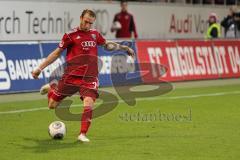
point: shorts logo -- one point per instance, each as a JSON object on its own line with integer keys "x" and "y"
{"x": 88, "y": 44}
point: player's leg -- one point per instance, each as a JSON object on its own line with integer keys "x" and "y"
{"x": 45, "y": 88}
{"x": 57, "y": 92}
{"x": 53, "y": 98}
{"x": 88, "y": 92}
{"x": 88, "y": 103}
{"x": 52, "y": 104}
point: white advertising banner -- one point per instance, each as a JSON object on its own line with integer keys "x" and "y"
{"x": 28, "y": 20}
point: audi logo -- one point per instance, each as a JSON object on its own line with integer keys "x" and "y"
{"x": 88, "y": 44}
{"x": 102, "y": 23}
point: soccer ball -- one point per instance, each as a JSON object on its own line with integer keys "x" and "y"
{"x": 116, "y": 25}
{"x": 57, "y": 130}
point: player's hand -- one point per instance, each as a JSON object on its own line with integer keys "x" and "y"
{"x": 131, "y": 52}
{"x": 35, "y": 73}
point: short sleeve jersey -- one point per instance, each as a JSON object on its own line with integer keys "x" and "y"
{"x": 82, "y": 53}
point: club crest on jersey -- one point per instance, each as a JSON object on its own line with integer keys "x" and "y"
{"x": 93, "y": 36}
{"x": 88, "y": 44}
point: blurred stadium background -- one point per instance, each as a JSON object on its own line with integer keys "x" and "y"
{"x": 196, "y": 117}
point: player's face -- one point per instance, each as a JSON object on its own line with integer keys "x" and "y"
{"x": 124, "y": 6}
{"x": 86, "y": 22}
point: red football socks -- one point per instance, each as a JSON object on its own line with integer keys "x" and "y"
{"x": 86, "y": 119}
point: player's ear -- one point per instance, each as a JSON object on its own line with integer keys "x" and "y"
{"x": 81, "y": 18}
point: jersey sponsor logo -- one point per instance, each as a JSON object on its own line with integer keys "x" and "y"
{"x": 86, "y": 44}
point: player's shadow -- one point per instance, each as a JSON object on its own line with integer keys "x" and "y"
{"x": 121, "y": 138}
{"x": 46, "y": 145}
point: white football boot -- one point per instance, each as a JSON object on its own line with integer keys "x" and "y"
{"x": 82, "y": 137}
{"x": 44, "y": 89}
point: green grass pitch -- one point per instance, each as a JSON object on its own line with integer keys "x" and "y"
{"x": 201, "y": 123}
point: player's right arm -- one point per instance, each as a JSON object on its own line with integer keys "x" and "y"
{"x": 65, "y": 43}
{"x": 49, "y": 60}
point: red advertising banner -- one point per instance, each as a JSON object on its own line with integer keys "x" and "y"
{"x": 153, "y": 60}
{"x": 197, "y": 60}
{"x": 188, "y": 60}
{"x": 229, "y": 51}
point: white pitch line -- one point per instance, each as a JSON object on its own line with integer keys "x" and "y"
{"x": 138, "y": 99}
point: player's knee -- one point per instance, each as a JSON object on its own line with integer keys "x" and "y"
{"x": 52, "y": 104}
{"x": 88, "y": 101}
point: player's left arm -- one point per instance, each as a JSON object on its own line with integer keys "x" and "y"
{"x": 113, "y": 46}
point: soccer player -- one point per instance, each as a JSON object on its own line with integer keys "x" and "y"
{"x": 81, "y": 72}
{"x": 127, "y": 27}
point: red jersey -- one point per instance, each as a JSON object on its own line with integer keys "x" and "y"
{"x": 82, "y": 52}
{"x": 128, "y": 25}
